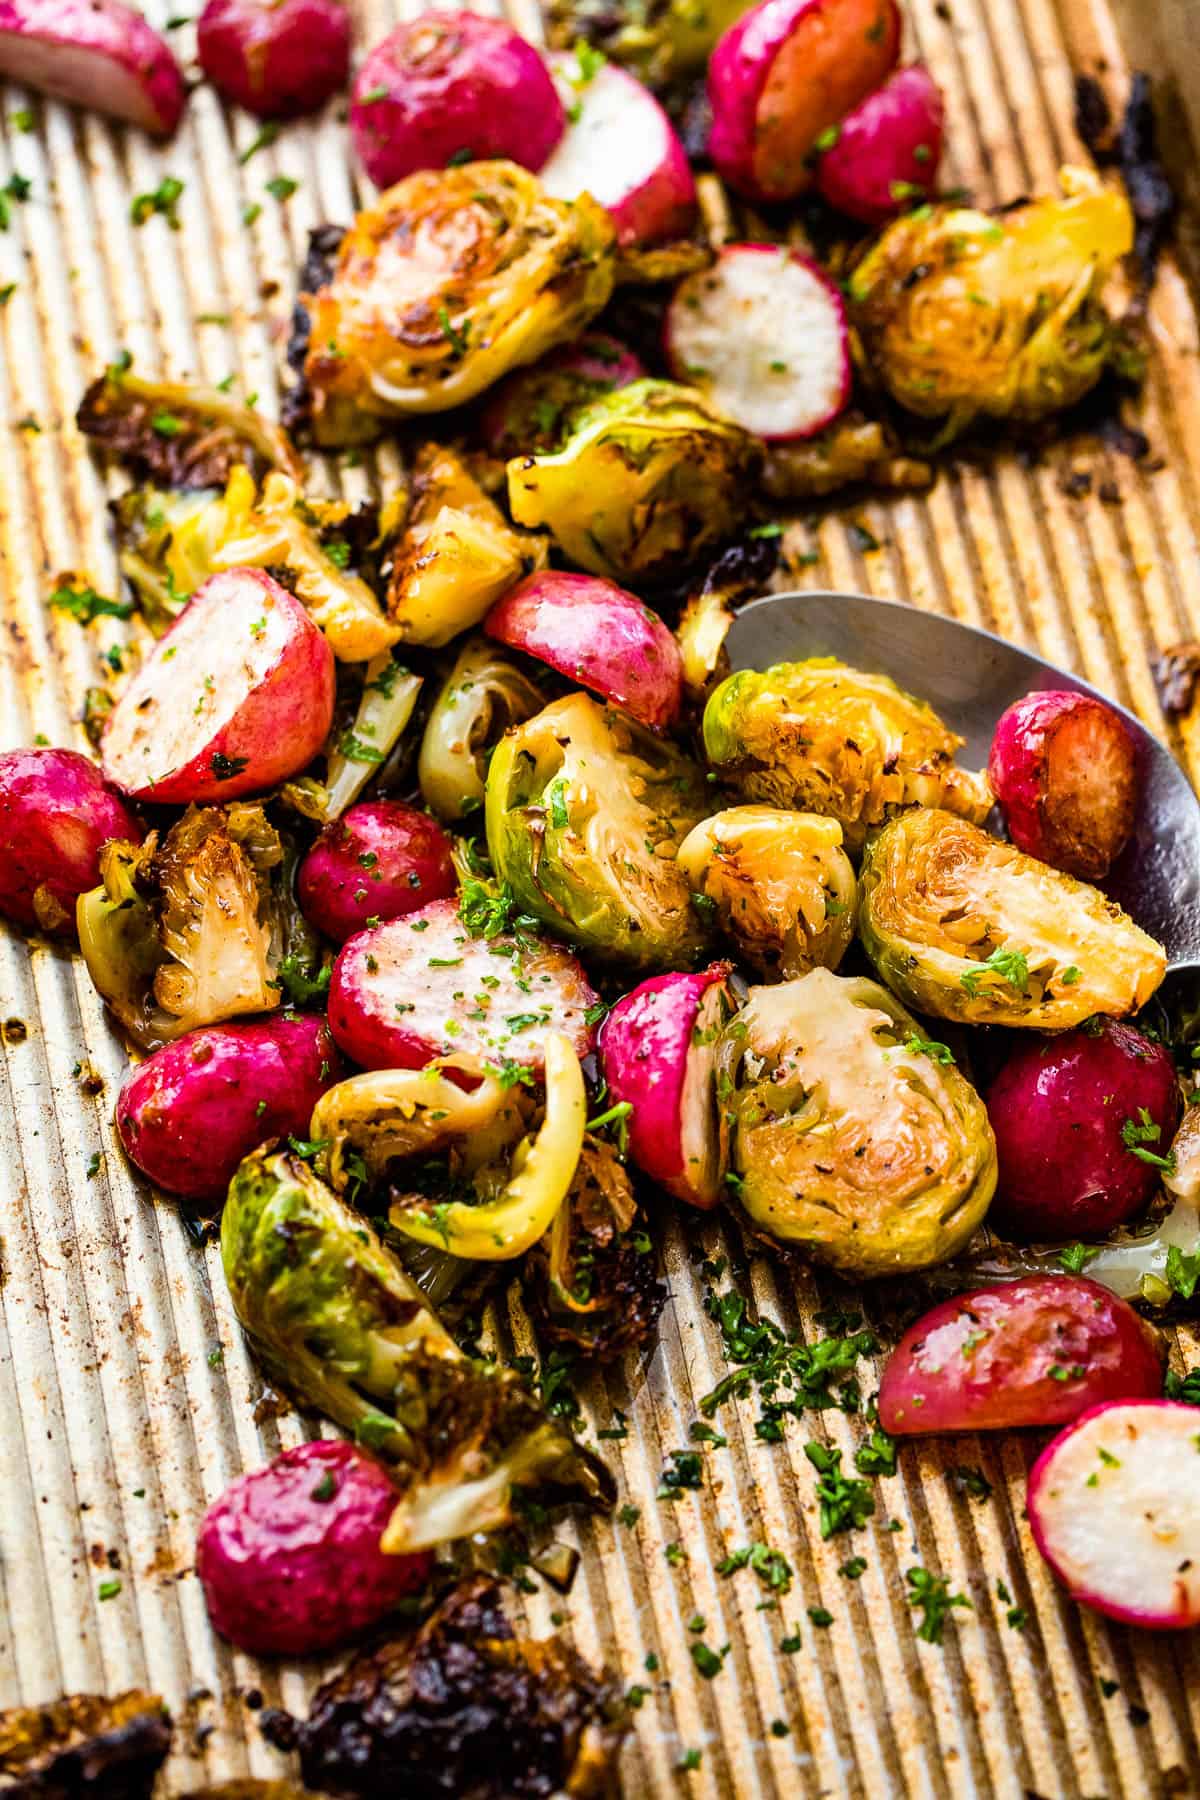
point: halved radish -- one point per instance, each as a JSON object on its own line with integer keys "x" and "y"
{"x": 237, "y": 696}
{"x": 420, "y": 987}
{"x": 621, "y": 148}
{"x": 762, "y": 333}
{"x": 97, "y": 54}
{"x": 886, "y": 153}
{"x": 1114, "y": 1507}
{"x": 597, "y": 634}
{"x": 657, "y": 1049}
{"x": 1064, "y": 768}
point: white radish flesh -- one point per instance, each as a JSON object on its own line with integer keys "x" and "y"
{"x": 762, "y": 333}
{"x": 1114, "y": 1505}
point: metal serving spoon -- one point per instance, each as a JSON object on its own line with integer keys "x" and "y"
{"x": 969, "y": 677}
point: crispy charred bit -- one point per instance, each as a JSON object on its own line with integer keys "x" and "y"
{"x": 853, "y": 449}
{"x": 1176, "y": 671}
{"x": 462, "y": 1709}
{"x": 316, "y": 272}
{"x": 1134, "y": 150}
{"x": 85, "y": 1744}
{"x": 591, "y": 1280}
{"x": 178, "y": 435}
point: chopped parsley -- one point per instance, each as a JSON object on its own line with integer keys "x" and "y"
{"x": 456, "y": 336}
{"x": 325, "y": 1489}
{"x": 163, "y": 199}
{"x": 1137, "y": 1133}
{"x": 263, "y": 141}
{"x": 1011, "y": 966}
{"x": 845, "y": 1503}
{"x": 971, "y": 1481}
{"x": 687, "y": 1471}
{"x": 1076, "y": 1257}
{"x": 281, "y": 187}
{"x": 298, "y": 986}
{"x": 788, "y": 1375}
{"x": 355, "y": 750}
{"x": 108, "y": 1590}
{"x": 1183, "y": 1272}
{"x": 930, "y": 1595}
{"x": 771, "y": 1566}
{"x": 85, "y": 604}
{"x": 930, "y": 1047}
{"x": 1183, "y": 1387}
{"x": 709, "y": 1663}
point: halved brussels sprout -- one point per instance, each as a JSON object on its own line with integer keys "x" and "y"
{"x": 963, "y": 312}
{"x": 852, "y": 1135}
{"x": 483, "y": 695}
{"x": 585, "y": 813}
{"x": 457, "y": 555}
{"x": 658, "y": 39}
{"x": 782, "y": 885}
{"x": 825, "y": 738}
{"x": 452, "y": 278}
{"x": 647, "y": 480}
{"x": 967, "y": 928}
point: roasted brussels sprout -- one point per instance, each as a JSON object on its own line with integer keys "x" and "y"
{"x": 591, "y": 1279}
{"x": 85, "y": 1744}
{"x": 465, "y": 1709}
{"x": 740, "y": 573}
{"x": 967, "y": 928}
{"x": 188, "y": 931}
{"x": 452, "y": 278}
{"x": 962, "y": 312}
{"x": 482, "y": 696}
{"x": 782, "y": 885}
{"x": 851, "y": 1134}
{"x": 179, "y": 434}
{"x": 385, "y": 706}
{"x": 824, "y": 738}
{"x": 658, "y": 39}
{"x": 647, "y": 480}
{"x": 585, "y": 814}
{"x": 336, "y": 1319}
{"x": 503, "y": 1184}
{"x": 457, "y": 555}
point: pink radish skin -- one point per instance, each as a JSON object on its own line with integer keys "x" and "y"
{"x": 1114, "y": 1507}
{"x": 189, "y": 1114}
{"x": 763, "y": 334}
{"x": 785, "y": 73}
{"x": 986, "y": 1361}
{"x": 1058, "y": 1108}
{"x": 237, "y": 696}
{"x": 381, "y": 860}
{"x": 450, "y": 84}
{"x": 277, "y": 58}
{"x": 597, "y": 634}
{"x": 289, "y": 1556}
{"x": 623, "y": 150}
{"x": 888, "y": 149}
{"x": 656, "y": 1051}
{"x": 96, "y": 54}
{"x": 56, "y": 810}
{"x": 1063, "y": 767}
{"x": 528, "y": 410}
{"x": 393, "y": 991}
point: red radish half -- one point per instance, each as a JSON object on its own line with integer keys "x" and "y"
{"x": 277, "y": 58}
{"x": 597, "y": 634}
{"x": 422, "y": 986}
{"x": 657, "y": 1050}
{"x": 1037, "y": 1351}
{"x": 785, "y": 73}
{"x": 887, "y": 151}
{"x": 97, "y": 54}
{"x": 762, "y": 333}
{"x": 1114, "y": 1507}
{"x": 237, "y": 696}
{"x": 622, "y": 149}
{"x": 1064, "y": 768}
{"x": 56, "y": 812}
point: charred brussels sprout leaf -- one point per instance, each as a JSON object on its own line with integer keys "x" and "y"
{"x": 648, "y": 479}
{"x": 963, "y": 312}
{"x": 336, "y": 1319}
{"x": 585, "y": 814}
{"x": 483, "y": 695}
{"x": 824, "y": 738}
{"x": 464, "y": 1708}
{"x": 85, "y": 1744}
{"x": 452, "y": 278}
{"x": 870, "y": 1154}
{"x": 179, "y": 434}
{"x": 967, "y": 928}
{"x": 782, "y": 885}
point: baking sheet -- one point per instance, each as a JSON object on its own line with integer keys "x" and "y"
{"x": 127, "y": 1401}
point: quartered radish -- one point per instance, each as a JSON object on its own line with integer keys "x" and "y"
{"x": 762, "y": 333}
{"x": 97, "y": 54}
{"x": 621, "y": 148}
{"x": 421, "y": 987}
{"x": 1114, "y": 1506}
{"x": 237, "y": 696}
{"x": 657, "y": 1049}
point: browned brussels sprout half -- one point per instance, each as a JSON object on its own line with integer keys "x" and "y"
{"x": 965, "y": 927}
{"x": 824, "y": 738}
{"x": 853, "y": 1136}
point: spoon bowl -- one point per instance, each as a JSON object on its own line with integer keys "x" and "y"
{"x": 970, "y": 677}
